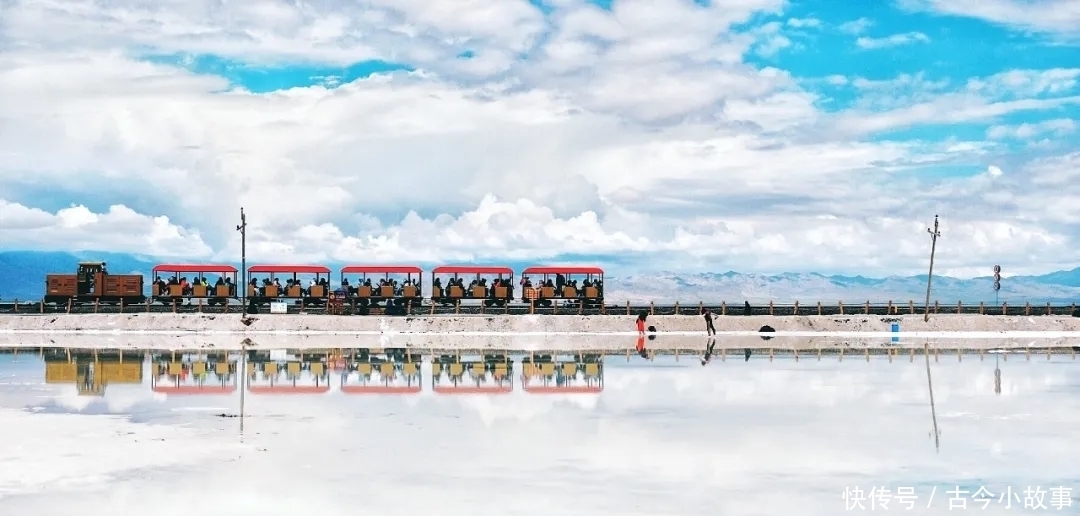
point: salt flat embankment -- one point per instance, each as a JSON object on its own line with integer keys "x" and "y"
{"x": 520, "y": 325}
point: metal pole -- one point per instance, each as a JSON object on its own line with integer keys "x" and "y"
{"x": 934, "y": 234}
{"x": 243, "y": 386}
{"x": 242, "y": 228}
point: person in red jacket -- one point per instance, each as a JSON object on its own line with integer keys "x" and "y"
{"x": 641, "y": 323}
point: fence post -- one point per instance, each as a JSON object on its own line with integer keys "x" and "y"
{"x": 301, "y": 303}
{"x": 41, "y": 306}
{"x": 555, "y": 307}
{"x": 770, "y": 307}
{"x": 16, "y": 305}
{"x": 581, "y": 307}
{"x": 432, "y": 306}
{"x": 1027, "y": 308}
{"x": 652, "y": 308}
{"x": 700, "y": 307}
{"x": 982, "y": 308}
{"x": 840, "y": 304}
{"x": 1072, "y": 309}
{"x": 457, "y": 306}
{"x": 481, "y": 307}
{"x": 867, "y": 309}
{"x": 1049, "y": 311}
{"x": 147, "y": 305}
{"x": 121, "y": 305}
{"x": 97, "y": 302}
{"x": 937, "y": 307}
{"x": 959, "y": 307}
{"x": 174, "y": 305}
{"x": 627, "y": 307}
{"x": 1004, "y": 308}
{"x": 676, "y": 308}
{"x": 532, "y": 306}
{"x": 723, "y": 308}
{"x": 889, "y": 308}
{"x": 227, "y": 305}
{"x": 69, "y": 305}
{"x": 795, "y": 309}
{"x": 200, "y": 305}
{"x": 819, "y": 309}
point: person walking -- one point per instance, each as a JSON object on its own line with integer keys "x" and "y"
{"x": 709, "y": 328}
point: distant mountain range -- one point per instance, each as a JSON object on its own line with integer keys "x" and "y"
{"x": 22, "y": 275}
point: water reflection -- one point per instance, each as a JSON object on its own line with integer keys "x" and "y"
{"x": 113, "y": 432}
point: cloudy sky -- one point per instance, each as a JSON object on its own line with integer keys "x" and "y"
{"x": 663, "y": 438}
{"x": 754, "y": 135}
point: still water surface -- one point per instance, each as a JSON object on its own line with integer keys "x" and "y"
{"x": 160, "y": 433}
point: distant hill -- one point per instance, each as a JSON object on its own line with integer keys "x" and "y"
{"x": 22, "y": 276}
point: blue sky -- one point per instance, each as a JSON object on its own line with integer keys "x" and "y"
{"x": 731, "y": 135}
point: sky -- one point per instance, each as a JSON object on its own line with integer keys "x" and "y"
{"x": 663, "y": 437}
{"x": 710, "y": 135}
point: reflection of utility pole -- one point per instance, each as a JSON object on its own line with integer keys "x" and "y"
{"x": 930, "y": 387}
{"x": 242, "y": 228}
{"x": 243, "y": 387}
{"x": 997, "y": 375}
{"x": 934, "y": 234}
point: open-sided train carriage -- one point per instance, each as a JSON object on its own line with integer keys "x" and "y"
{"x": 298, "y": 374}
{"x": 452, "y": 284}
{"x": 184, "y": 282}
{"x": 92, "y": 371}
{"x": 569, "y": 284}
{"x": 92, "y": 283}
{"x": 392, "y": 375}
{"x": 374, "y": 284}
{"x": 214, "y": 374}
{"x": 493, "y": 374}
{"x": 265, "y": 283}
{"x": 545, "y": 375}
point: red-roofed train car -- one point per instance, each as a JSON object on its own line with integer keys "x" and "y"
{"x": 265, "y": 285}
{"x": 452, "y": 284}
{"x": 374, "y": 284}
{"x": 580, "y": 376}
{"x": 548, "y": 283}
{"x": 180, "y": 282}
{"x": 384, "y": 377}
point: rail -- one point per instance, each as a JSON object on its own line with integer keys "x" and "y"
{"x": 722, "y": 309}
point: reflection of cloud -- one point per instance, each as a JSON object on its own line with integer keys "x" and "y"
{"x": 734, "y": 437}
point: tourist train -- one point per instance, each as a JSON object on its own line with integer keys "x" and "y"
{"x": 364, "y": 285}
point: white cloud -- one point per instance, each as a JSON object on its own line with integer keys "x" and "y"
{"x": 856, "y": 27}
{"x": 894, "y": 40}
{"x": 639, "y": 131}
{"x": 1057, "y": 126}
{"x": 76, "y": 228}
{"x": 1059, "y": 17}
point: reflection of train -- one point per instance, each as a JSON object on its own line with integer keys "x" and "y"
{"x": 393, "y": 372}
{"x": 491, "y": 374}
{"x": 281, "y": 373}
{"x": 544, "y": 374}
{"x": 362, "y": 285}
{"x": 92, "y": 371}
{"x": 194, "y": 374}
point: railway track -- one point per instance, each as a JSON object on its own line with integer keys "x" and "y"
{"x": 735, "y": 309}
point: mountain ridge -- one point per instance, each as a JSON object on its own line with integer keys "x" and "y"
{"x": 22, "y": 276}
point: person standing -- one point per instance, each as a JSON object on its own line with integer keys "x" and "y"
{"x": 709, "y": 328}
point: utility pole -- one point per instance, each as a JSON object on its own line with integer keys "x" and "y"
{"x": 934, "y": 234}
{"x": 242, "y": 228}
{"x": 930, "y": 387}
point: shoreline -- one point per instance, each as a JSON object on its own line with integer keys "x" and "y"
{"x": 907, "y": 326}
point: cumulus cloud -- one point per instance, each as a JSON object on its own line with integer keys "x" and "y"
{"x": 642, "y": 130}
